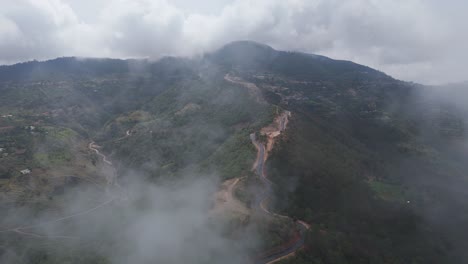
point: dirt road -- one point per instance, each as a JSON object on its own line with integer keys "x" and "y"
{"x": 254, "y": 91}
{"x": 262, "y": 198}
{"x": 95, "y": 147}
{"x": 226, "y": 203}
{"x": 22, "y": 230}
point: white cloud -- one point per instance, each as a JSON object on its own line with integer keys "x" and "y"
{"x": 410, "y": 39}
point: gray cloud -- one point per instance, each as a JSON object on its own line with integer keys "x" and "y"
{"x": 414, "y": 40}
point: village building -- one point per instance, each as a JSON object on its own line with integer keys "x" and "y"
{"x": 25, "y": 171}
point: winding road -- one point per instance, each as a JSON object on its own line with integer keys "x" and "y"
{"x": 298, "y": 243}
{"x": 290, "y": 248}
{"x": 94, "y": 147}
{"x": 110, "y": 181}
{"x": 110, "y": 178}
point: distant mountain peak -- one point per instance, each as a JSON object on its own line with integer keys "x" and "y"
{"x": 244, "y": 54}
{"x": 243, "y": 44}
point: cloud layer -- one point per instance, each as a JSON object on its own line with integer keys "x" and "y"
{"x": 167, "y": 223}
{"x": 414, "y": 40}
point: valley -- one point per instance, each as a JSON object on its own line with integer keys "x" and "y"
{"x": 269, "y": 156}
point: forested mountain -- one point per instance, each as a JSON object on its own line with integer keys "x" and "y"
{"x": 375, "y": 165}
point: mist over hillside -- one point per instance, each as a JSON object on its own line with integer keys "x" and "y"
{"x": 142, "y": 161}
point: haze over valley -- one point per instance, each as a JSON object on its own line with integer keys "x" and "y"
{"x": 164, "y": 145}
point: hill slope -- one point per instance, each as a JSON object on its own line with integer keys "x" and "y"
{"x": 376, "y": 165}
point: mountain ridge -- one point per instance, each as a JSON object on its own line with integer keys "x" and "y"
{"x": 237, "y": 54}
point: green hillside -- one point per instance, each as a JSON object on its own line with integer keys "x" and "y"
{"x": 376, "y": 165}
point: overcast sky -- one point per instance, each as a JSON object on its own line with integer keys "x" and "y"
{"x": 416, "y": 40}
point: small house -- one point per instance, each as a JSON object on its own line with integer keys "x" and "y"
{"x": 25, "y": 171}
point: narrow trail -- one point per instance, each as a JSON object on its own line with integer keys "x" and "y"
{"x": 69, "y": 216}
{"x": 128, "y": 133}
{"x": 254, "y": 91}
{"x": 110, "y": 178}
{"x": 261, "y": 202}
{"x": 20, "y": 229}
{"x": 226, "y": 203}
{"x": 94, "y": 147}
{"x": 110, "y": 182}
{"x": 229, "y": 193}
